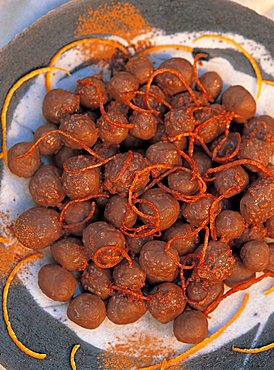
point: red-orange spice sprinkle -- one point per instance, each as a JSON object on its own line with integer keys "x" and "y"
{"x": 204, "y": 343}
{"x": 107, "y": 248}
{"x": 235, "y": 289}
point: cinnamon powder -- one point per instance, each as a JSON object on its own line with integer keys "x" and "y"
{"x": 135, "y": 352}
{"x": 115, "y": 19}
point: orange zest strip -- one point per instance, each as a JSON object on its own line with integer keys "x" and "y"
{"x": 173, "y": 72}
{"x": 72, "y": 356}
{"x": 107, "y": 248}
{"x": 88, "y": 217}
{"x": 9, "y": 96}
{"x": 205, "y": 342}
{"x": 213, "y": 215}
{"x": 250, "y": 58}
{"x": 268, "y": 82}
{"x": 235, "y": 289}
{"x": 84, "y": 146}
{"x": 253, "y": 350}
{"x": 163, "y": 47}
{"x": 231, "y": 155}
{"x": 269, "y": 291}
{"x": 80, "y": 200}
{"x": 3, "y": 240}
{"x": 101, "y": 105}
{"x": 20, "y": 345}
{"x": 71, "y": 45}
{"x": 238, "y": 162}
{"x": 1, "y": 155}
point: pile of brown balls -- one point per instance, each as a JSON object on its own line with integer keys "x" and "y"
{"x": 159, "y": 192}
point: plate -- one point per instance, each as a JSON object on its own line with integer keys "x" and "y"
{"x": 45, "y": 329}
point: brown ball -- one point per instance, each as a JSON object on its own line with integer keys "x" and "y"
{"x": 177, "y": 121}
{"x": 122, "y": 83}
{"x": 261, "y": 128}
{"x": 70, "y": 254}
{"x": 255, "y": 255}
{"x": 218, "y": 263}
{"x": 213, "y": 128}
{"x": 183, "y": 246}
{"x": 77, "y": 212}
{"x": 237, "y": 99}
{"x": 82, "y": 184}
{"x": 166, "y": 302}
{"x": 112, "y": 134}
{"x": 99, "y": 234}
{"x": 140, "y": 67}
{"x": 89, "y": 97}
{"x": 226, "y": 179}
{"x": 97, "y": 281}
{"x": 87, "y": 310}
{"x": 145, "y": 125}
{"x": 156, "y": 263}
{"x": 135, "y": 244}
{"x": 257, "y": 203}
{"x": 105, "y": 150}
{"x": 26, "y": 166}
{"x": 240, "y": 273}
{"x": 118, "y": 211}
{"x": 183, "y": 182}
{"x": 184, "y": 99}
{"x": 81, "y": 127}
{"x": 212, "y": 82}
{"x": 51, "y": 143}
{"x": 56, "y": 282}
{"x": 203, "y": 293}
{"x": 270, "y": 227}
{"x": 191, "y": 327}
{"x": 227, "y": 147}
{"x": 122, "y": 185}
{"x": 38, "y": 227}
{"x": 155, "y": 103}
{"x": 171, "y": 84}
{"x": 168, "y": 207}
{"x": 229, "y": 225}
{"x": 256, "y": 150}
{"x": 46, "y": 188}
{"x": 122, "y": 310}
{"x": 64, "y": 154}
{"x": 126, "y": 276}
{"x": 58, "y": 102}
{"x": 270, "y": 265}
{"x": 164, "y": 153}
{"x": 203, "y": 162}
{"x": 196, "y": 212}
